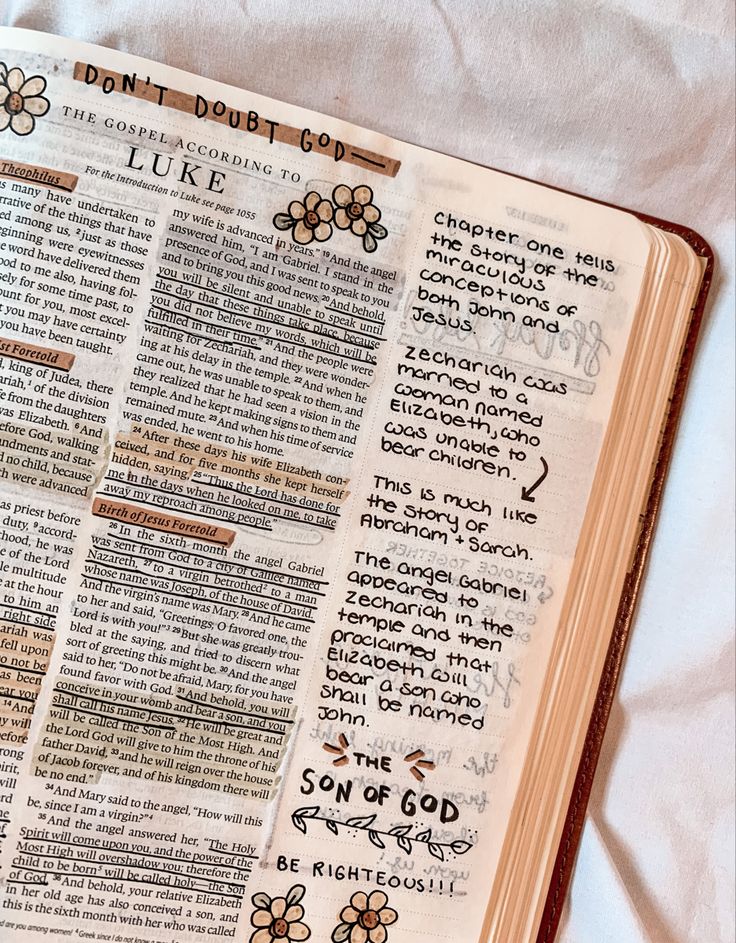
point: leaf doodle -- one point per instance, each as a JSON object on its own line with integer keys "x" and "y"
{"x": 402, "y": 833}
{"x": 342, "y": 932}
{"x": 308, "y": 812}
{"x": 460, "y": 847}
{"x": 436, "y": 850}
{"x": 295, "y": 895}
{"x": 361, "y": 821}
{"x": 298, "y": 816}
{"x": 404, "y": 844}
{"x": 375, "y": 839}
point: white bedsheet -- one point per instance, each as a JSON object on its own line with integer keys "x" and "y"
{"x": 630, "y": 102}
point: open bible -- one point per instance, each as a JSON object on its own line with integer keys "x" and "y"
{"x": 328, "y": 467}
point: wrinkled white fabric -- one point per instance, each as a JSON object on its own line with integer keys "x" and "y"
{"x": 629, "y": 101}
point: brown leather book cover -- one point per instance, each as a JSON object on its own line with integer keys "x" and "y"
{"x": 572, "y": 831}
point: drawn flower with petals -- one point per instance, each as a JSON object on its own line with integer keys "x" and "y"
{"x": 356, "y": 212}
{"x": 21, "y": 100}
{"x": 308, "y": 219}
{"x": 365, "y": 919}
{"x": 279, "y": 918}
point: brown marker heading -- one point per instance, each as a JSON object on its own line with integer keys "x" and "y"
{"x": 38, "y": 176}
{"x": 156, "y": 520}
{"x": 38, "y": 356}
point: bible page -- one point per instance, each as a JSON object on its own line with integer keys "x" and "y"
{"x": 299, "y": 423}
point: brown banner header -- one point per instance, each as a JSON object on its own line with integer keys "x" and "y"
{"x": 306, "y": 139}
{"x": 38, "y": 176}
{"x": 155, "y": 520}
{"x": 38, "y": 356}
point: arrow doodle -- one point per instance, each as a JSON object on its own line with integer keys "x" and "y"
{"x": 527, "y": 493}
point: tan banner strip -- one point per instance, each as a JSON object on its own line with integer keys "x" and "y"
{"x": 155, "y": 520}
{"x": 38, "y": 176}
{"x": 305, "y": 140}
{"x": 38, "y": 356}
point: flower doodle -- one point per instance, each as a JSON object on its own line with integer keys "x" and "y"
{"x": 365, "y": 919}
{"x": 279, "y": 918}
{"x": 308, "y": 220}
{"x": 21, "y": 100}
{"x": 356, "y": 212}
